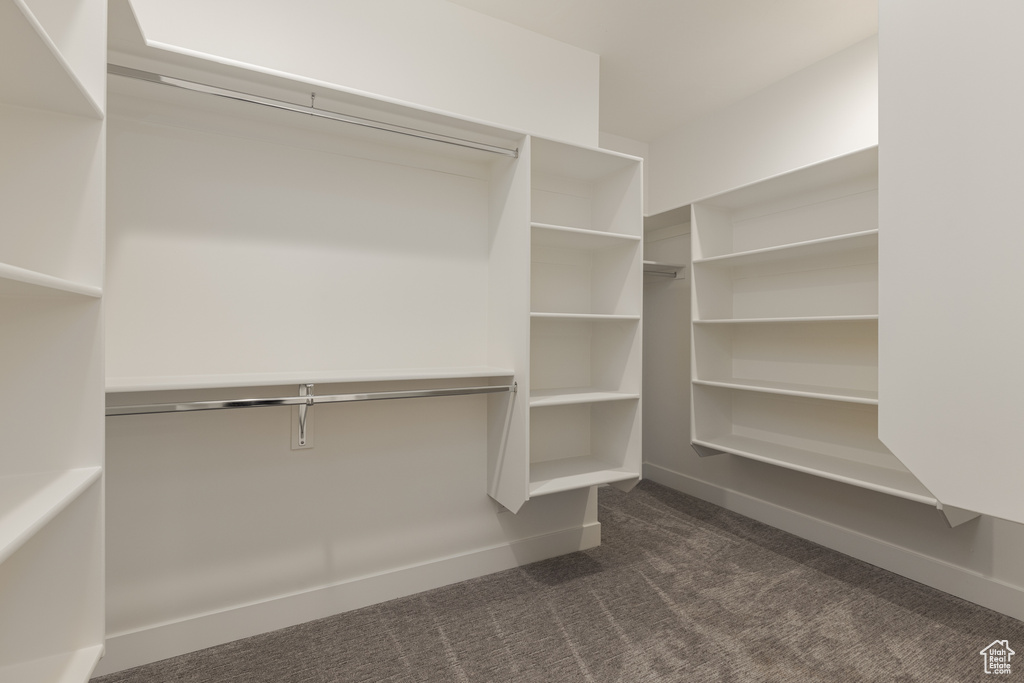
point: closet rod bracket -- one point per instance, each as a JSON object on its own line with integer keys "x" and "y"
{"x": 305, "y": 410}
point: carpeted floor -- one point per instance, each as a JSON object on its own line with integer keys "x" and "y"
{"x": 680, "y": 590}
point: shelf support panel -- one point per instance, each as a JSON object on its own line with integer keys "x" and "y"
{"x": 704, "y": 451}
{"x": 956, "y": 516}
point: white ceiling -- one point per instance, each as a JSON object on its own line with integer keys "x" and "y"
{"x": 665, "y": 62}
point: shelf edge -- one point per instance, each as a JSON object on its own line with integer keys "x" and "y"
{"x": 562, "y": 484}
{"x": 793, "y": 319}
{"x": 880, "y": 488}
{"x": 46, "y": 509}
{"x": 582, "y": 316}
{"x": 48, "y": 282}
{"x": 587, "y": 232}
{"x": 841, "y": 398}
{"x": 782, "y": 248}
{"x": 580, "y": 398}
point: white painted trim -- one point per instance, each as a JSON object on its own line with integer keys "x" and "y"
{"x": 160, "y": 641}
{"x": 964, "y": 583}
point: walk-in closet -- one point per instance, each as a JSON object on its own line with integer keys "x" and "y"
{"x": 310, "y": 308}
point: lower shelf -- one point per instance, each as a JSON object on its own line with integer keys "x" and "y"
{"x": 557, "y": 397}
{"x": 73, "y": 667}
{"x": 28, "y": 502}
{"x": 578, "y": 445}
{"x": 882, "y": 479}
{"x": 555, "y": 476}
{"x": 794, "y": 389}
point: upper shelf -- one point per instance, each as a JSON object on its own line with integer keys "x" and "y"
{"x": 551, "y": 158}
{"x": 583, "y": 316}
{"x": 560, "y": 236}
{"x": 542, "y": 398}
{"x": 809, "y": 249}
{"x": 789, "y": 319}
{"x": 44, "y": 76}
{"x": 862, "y": 163}
{"x": 846, "y": 395}
{"x": 184, "y": 382}
{"x": 15, "y": 280}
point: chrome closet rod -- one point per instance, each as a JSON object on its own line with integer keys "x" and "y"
{"x": 117, "y": 70}
{"x": 300, "y": 400}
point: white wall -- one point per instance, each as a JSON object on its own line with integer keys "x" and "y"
{"x": 425, "y": 52}
{"x": 825, "y": 110}
{"x": 625, "y": 145}
{"x": 982, "y": 560}
{"x": 950, "y": 276}
{"x": 216, "y": 530}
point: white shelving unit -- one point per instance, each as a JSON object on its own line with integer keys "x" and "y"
{"x": 829, "y": 277}
{"x": 52, "y": 175}
{"x": 586, "y": 291}
{"x": 785, "y": 326}
{"x": 837, "y": 359}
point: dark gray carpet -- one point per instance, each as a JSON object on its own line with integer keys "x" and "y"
{"x": 680, "y": 590}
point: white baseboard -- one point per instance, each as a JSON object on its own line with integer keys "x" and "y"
{"x": 970, "y": 585}
{"x": 160, "y": 641}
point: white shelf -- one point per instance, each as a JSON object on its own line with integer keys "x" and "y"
{"x": 555, "y": 476}
{"x": 812, "y": 177}
{"x": 794, "y": 389}
{"x": 832, "y": 199}
{"x": 41, "y": 77}
{"x": 561, "y": 397}
{"x": 586, "y": 300}
{"x": 28, "y": 502}
{"x": 15, "y": 280}
{"x": 791, "y": 319}
{"x": 583, "y": 316}
{"x": 183, "y": 382}
{"x": 587, "y": 189}
{"x": 560, "y": 159}
{"x": 74, "y": 667}
{"x": 884, "y": 480}
{"x": 828, "y": 277}
{"x": 576, "y": 271}
{"x": 827, "y": 360}
{"x": 809, "y": 249}
{"x": 564, "y": 237}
